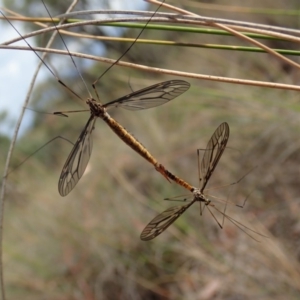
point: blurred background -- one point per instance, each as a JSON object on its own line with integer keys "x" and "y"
{"x": 87, "y": 245}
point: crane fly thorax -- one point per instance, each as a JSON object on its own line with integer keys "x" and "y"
{"x": 95, "y": 107}
{"x": 198, "y": 196}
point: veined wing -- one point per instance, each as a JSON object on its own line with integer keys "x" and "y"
{"x": 77, "y": 159}
{"x": 213, "y": 153}
{"x": 151, "y": 96}
{"x": 161, "y": 222}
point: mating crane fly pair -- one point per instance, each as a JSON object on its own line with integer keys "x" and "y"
{"x": 148, "y": 97}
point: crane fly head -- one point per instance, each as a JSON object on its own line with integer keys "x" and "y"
{"x": 95, "y": 107}
{"x": 198, "y": 196}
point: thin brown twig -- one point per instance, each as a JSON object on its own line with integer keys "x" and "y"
{"x": 164, "y": 71}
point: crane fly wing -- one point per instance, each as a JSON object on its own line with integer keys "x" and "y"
{"x": 213, "y": 153}
{"x": 77, "y": 159}
{"x": 151, "y": 96}
{"x": 161, "y": 222}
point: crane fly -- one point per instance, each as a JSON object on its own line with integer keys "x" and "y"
{"x": 148, "y": 97}
{"x": 211, "y": 157}
{"x": 152, "y": 96}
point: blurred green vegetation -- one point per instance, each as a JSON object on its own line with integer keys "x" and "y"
{"x": 87, "y": 246}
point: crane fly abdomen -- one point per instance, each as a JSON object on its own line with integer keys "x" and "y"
{"x": 126, "y": 137}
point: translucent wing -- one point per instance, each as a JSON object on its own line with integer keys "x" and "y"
{"x": 213, "y": 153}
{"x": 77, "y": 160}
{"x": 161, "y": 222}
{"x": 151, "y": 96}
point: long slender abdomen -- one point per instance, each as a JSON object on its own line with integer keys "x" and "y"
{"x": 133, "y": 143}
{"x": 179, "y": 181}
{"x": 130, "y": 140}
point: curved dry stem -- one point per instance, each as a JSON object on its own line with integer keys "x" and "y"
{"x": 248, "y": 26}
{"x": 9, "y": 154}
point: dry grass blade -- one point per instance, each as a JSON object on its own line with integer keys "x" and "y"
{"x": 3, "y": 187}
